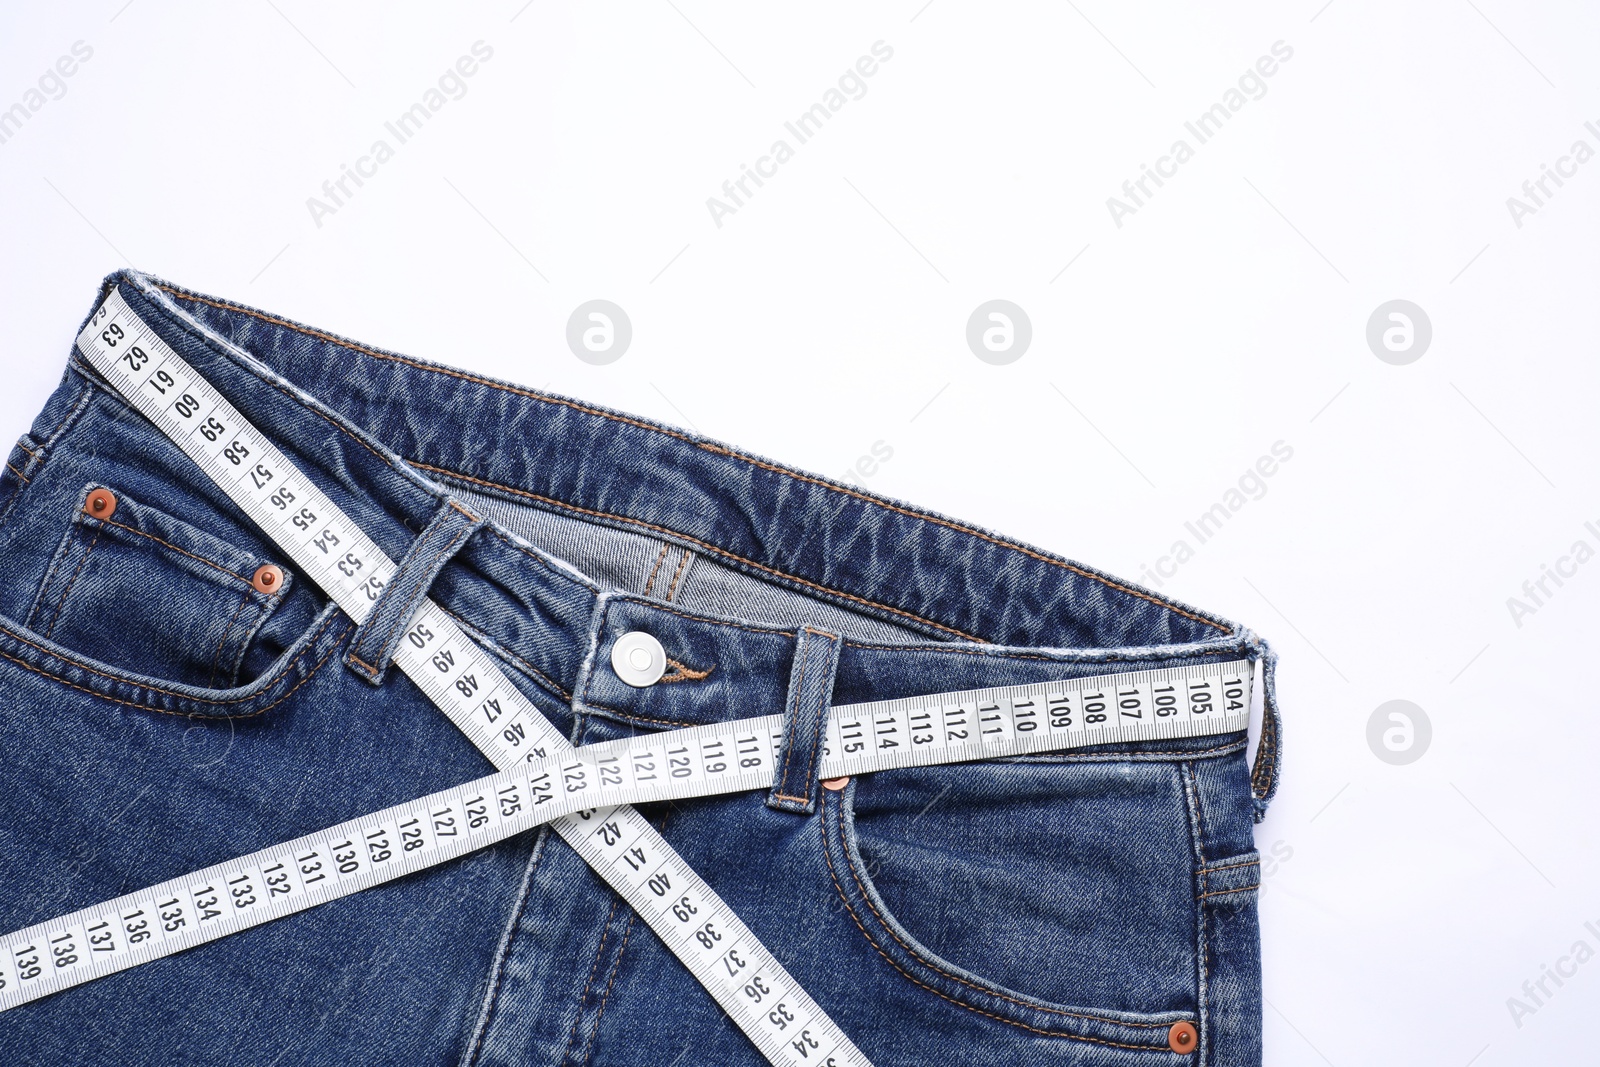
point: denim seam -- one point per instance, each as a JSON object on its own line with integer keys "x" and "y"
{"x": 1261, "y": 779}
{"x": 40, "y": 599}
{"x": 583, "y": 998}
{"x": 1201, "y": 833}
{"x": 1202, "y": 943}
{"x": 651, "y": 581}
{"x": 496, "y": 646}
{"x": 769, "y": 631}
{"x": 153, "y": 688}
{"x": 1225, "y": 892}
{"x": 1230, "y": 867}
{"x": 171, "y": 546}
{"x": 89, "y": 387}
{"x": 1118, "y": 757}
{"x": 188, "y": 715}
{"x": 632, "y": 717}
{"x": 705, "y": 545}
{"x": 491, "y": 998}
{"x": 843, "y": 896}
{"x": 1000, "y": 542}
{"x": 62, "y": 603}
{"x": 18, "y": 473}
{"x": 543, "y": 562}
{"x": 672, "y": 590}
{"x": 216, "y": 656}
{"x": 705, "y": 445}
{"x": 267, "y": 606}
{"x": 605, "y": 998}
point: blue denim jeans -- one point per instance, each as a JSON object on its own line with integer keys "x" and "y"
{"x": 161, "y": 713}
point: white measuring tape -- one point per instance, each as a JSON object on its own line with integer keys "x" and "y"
{"x": 583, "y": 791}
{"x": 594, "y": 781}
{"x": 455, "y": 673}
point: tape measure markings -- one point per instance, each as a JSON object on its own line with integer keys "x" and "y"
{"x": 588, "y": 786}
{"x": 451, "y": 669}
{"x": 585, "y": 792}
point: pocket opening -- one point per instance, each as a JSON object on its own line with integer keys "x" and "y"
{"x": 142, "y": 592}
{"x": 852, "y": 876}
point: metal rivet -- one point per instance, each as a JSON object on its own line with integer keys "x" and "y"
{"x": 638, "y": 659}
{"x": 101, "y": 503}
{"x": 835, "y": 784}
{"x": 268, "y": 579}
{"x": 1182, "y": 1037}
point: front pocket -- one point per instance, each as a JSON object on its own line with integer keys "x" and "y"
{"x": 1056, "y": 897}
{"x": 139, "y": 590}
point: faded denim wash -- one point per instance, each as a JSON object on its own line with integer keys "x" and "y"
{"x": 160, "y": 715}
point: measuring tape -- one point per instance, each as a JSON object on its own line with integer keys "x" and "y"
{"x": 587, "y": 802}
{"x": 455, "y": 673}
{"x": 587, "y": 786}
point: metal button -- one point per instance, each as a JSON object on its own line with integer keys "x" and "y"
{"x": 101, "y": 503}
{"x": 836, "y": 784}
{"x": 267, "y": 579}
{"x": 1182, "y": 1037}
{"x": 638, "y": 659}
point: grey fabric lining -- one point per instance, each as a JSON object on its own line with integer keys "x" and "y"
{"x": 625, "y": 561}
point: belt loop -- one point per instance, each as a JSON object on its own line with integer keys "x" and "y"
{"x": 375, "y": 639}
{"x": 805, "y": 718}
{"x": 1264, "y": 772}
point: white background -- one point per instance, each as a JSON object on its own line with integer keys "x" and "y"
{"x": 1406, "y": 904}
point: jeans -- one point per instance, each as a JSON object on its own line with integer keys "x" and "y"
{"x": 163, "y": 712}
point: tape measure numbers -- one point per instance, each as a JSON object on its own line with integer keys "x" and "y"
{"x": 585, "y": 793}
{"x": 587, "y": 786}
{"x": 455, "y": 673}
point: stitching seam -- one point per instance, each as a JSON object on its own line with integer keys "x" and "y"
{"x": 672, "y": 590}
{"x": 605, "y": 998}
{"x": 651, "y": 582}
{"x": 62, "y": 603}
{"x": 713, "y": 449}
{"x": 163, "y": 711}
{"x": 705, "y": 545}
{"x": 497, "y": 646}
{"x": 152, "y": 688}
{"x": 1225, "y": 892}
{"x": 827, "y": 855}
{"x": 175, "y": 548}
{"x": 216, "y": 657}
{"x": 600, "y": 950}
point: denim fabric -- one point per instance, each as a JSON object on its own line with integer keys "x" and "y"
{"x": 159, "y": 715}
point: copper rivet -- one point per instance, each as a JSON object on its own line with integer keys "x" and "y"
{"x": 835, "y": 784}
{"x": 267, "y": 579}
{"x": 101, "y": 503}
{"x": 1182, "y": 1037}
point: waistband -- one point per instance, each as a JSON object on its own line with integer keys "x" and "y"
{"x": 393, "y": 439}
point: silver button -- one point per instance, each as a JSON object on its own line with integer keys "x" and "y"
{"x": 638, "y": 659}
